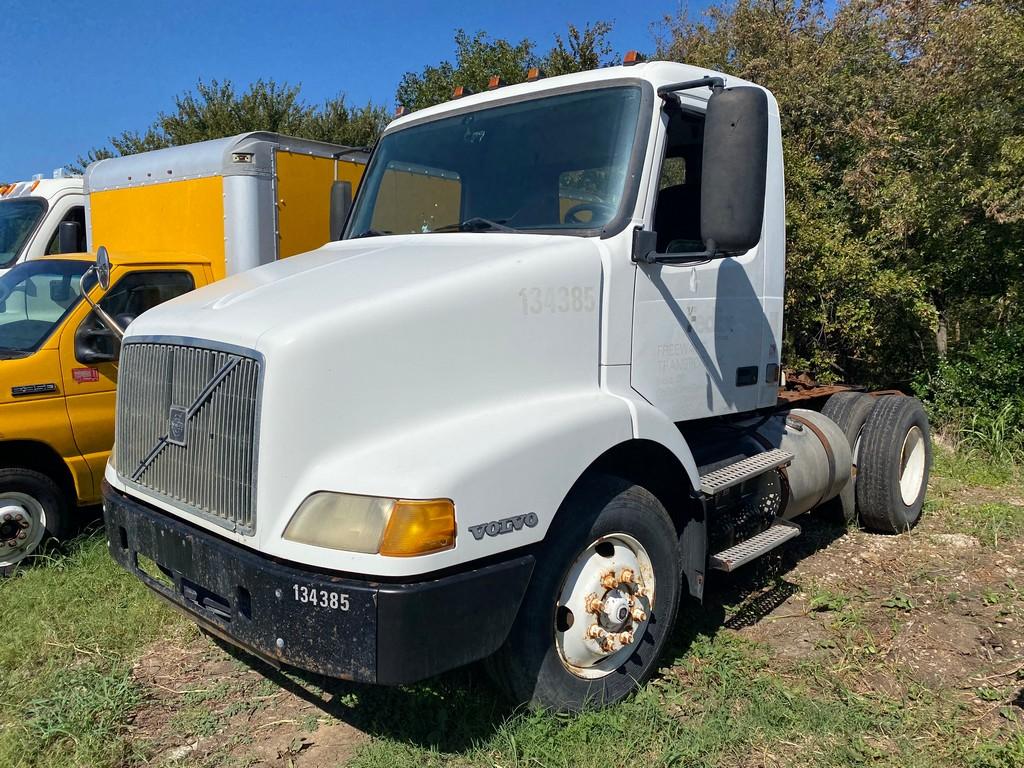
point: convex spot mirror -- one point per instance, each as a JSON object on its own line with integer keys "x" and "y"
{"x": 734, "y": 169}
{"x": 103, "y": 267}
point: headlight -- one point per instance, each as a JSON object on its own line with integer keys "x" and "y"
{"x": 395, "y": 527}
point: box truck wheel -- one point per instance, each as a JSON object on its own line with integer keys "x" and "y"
{"x": 849, "y": 410}
{"x": 32, "y": 506}
{"x": 601, "y": 602}
{"x": 894, "y": 461}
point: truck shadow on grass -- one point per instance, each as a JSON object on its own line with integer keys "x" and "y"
{"x": 456, "y": 711}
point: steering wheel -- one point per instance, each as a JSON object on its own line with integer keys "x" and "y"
{"x": 595, "y": 209}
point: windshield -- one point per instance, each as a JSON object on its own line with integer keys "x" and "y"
{"x": 558, "y": 163}
{"x": 17, "y": 220}
{"x": 34, "y": 297}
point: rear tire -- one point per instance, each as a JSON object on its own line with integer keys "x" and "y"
{"x": 549, "y": 659}
{"x": 32, "y": 507}
{"x": 850, "y": 410}
{"x": 895, "y": 461}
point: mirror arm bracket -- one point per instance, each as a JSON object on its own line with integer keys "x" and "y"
{"x": 105, "y": 318}
{"x": 645, "y": 251}
{"x": 670, "y": 95}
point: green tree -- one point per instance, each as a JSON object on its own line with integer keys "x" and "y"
{"x": 904, "y": 148}
{"x": 478, "y": 57}
{"x": 215, "y": 109}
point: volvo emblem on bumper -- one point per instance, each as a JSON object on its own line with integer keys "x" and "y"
{"x": 177, "y": 424}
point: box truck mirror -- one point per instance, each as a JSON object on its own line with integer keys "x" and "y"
{"x": 69, "y": 237}
{"x": 341, "y": 204}
{"x": 735, "y": 168}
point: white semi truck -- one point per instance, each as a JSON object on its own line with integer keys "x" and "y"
{"x": 528, "y": 401}
{"x": 31, "y": 213}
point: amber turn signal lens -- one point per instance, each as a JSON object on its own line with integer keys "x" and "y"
{"x": 419, "y": 528}
{"x": 631, "y": 57}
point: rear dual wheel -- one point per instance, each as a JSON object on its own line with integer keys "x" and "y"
{"x": 32, "y": 507}
{"x": 891, "y": 443}
{"x": 601, "y": 603}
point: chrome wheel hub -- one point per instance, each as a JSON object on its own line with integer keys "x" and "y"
{"x": 22, "y": 525}
{"x": 604, "y": 606}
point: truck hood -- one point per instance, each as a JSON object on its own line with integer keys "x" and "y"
{"x": 366, "y": 344}
{"x": 322, "y": 288}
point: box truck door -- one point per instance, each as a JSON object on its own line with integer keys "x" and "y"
{"x": 89, "y": 354}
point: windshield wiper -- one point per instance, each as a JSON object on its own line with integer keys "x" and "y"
{"x": 476, "y": 224}
{"x": 369, "y": 233}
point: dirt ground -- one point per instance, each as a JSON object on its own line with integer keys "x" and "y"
{"x": 937, "y": 608}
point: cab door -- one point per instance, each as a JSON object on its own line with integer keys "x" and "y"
{"x": 89, "y": 354}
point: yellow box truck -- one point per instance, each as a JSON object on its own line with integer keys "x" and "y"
{"x": 172, "y": 220}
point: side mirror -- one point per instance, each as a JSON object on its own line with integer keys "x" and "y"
{"x": 341, "y": 204}
{"x": 69, "y": 237}
{"x": 734, "y": 169}
{"x": 95, "y": 345}
{"x": 103, "y": 267}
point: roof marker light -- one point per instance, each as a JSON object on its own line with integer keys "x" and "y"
{"x": 631, "y": 58}
{"x": 533, "y": 73}
{"x": 460, "y": 91}
{"x": 494, "y": 82}
{"x": 401, "y": 111}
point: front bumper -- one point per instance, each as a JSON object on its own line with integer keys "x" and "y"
{"x": 338, "y": 626}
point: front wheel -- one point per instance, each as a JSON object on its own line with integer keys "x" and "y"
{"x": 31, "y": 507}
{"x": 601, "y": 603}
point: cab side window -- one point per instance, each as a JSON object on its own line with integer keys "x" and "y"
{"x": 135, "y": 293}
{"x": 130, "y": 296}
{"x": 76, "y": 215}
{"x": 677, "y": 211}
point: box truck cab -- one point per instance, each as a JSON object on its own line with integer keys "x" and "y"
{"x": 172, "y": 220}
{"x": 31, "y": 213}
{"x": 520, "y": 409}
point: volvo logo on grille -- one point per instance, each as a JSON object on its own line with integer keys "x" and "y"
{"x": 177, "y": 424}
{"x": 178, "y": 417}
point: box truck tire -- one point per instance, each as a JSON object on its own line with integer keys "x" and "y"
{"x": 601, "y": 603}
{"x": 31, "y": 508}
{"x": 895, "y": 459}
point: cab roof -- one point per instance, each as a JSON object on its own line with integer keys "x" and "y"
{"x": 657, "y": 73}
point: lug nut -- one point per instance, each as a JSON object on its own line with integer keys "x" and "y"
{"x": 22, "y": 535}
{"x": 19, "y": 517}
{"x": 626, "y": 577}
{"x": 608, "y": 580}
{"x": 594, "y": 604}
{"x": 595, "y": 632}
{"x": 24, "y": 524}
{"x": 638, "y": 614}
{"x": 625, "y": 638}
{"x": 7, "y": 517}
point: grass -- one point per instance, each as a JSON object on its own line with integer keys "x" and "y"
{"x": 721, "y": 704}
{"x": 76, "y": 624}
{"x": 71, "y": 630}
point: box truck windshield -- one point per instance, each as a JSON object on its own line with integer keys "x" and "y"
{"x": 18, "y": 219}
{"x": 552, "y": 164}
{"x": 34, "y": 297}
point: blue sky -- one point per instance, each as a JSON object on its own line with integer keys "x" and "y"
{"x": 74, "y": 73}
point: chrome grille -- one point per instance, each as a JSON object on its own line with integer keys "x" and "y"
{"x": 187, "y": 428}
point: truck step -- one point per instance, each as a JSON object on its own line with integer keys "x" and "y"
{"x": 718, "y": 480}
{"x": 740, "y": 554}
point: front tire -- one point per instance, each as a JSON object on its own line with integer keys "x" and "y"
{"x": 32, "y": 507}
{"x": 601, "y": 603}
